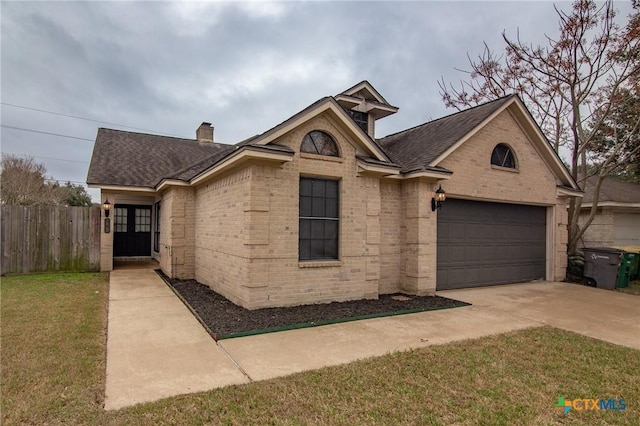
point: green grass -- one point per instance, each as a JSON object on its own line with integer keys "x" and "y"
{"x": 53, "y": 347}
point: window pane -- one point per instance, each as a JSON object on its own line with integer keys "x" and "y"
{"x": 332, "y": 189}
{"x": 305, "y": 249}
{"x": 317, "y": 249}
{"x": 120, "y": 220}
{"x": 305, "y": 207}
{"x": 331, "y": 249}
{"x": 318, "y": 208}
{"x": 319, "y": 188}
{"x": 503, "y": 156}
{"x": 318, "y": 237}
{"x": 317, "y": 142}
{"x": 331, "y": 229}
{"x": 317, "y": 229}
{"x": 305, "y": 228}
{"x": 305, "y": 187}
{"x": 332, "y": 207}
{"x": 143, "y": 220}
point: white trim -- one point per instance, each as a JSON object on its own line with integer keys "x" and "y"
{"x": 550, "y": 246}
{"x": 611, "y": 204}
{"x": 377, "y": 168}
{"x": 123, "y": 188}
{"x": 171, "y": 182}
{"x": 569, "y": 192}
{"x": 452, "y": 195}
{"x": 241, "y": 156}
{"x": 428, "y": 174}
{"x": 365, "y": 85}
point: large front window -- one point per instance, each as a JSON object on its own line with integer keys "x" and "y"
{"x": 319, "y": 219}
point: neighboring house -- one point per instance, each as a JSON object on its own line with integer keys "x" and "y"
{"x": 316, "y": 209}
{"x": 617, "y": 220}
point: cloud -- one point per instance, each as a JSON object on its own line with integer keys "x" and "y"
{"x": 245, "y": 66}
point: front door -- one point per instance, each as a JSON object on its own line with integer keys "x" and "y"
{"x": 132, "y": 230}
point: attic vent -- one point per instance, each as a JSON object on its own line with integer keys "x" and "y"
{"x": 204, "y": 133}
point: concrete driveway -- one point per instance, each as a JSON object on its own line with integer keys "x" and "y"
{"x": 157, "y": 349}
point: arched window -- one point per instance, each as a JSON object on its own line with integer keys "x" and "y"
{"x": 317, "y": 142}
{"x": 502, "y": 156}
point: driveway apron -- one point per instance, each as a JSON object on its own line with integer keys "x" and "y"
{"x": 155, "y": 346}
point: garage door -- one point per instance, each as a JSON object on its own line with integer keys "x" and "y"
{"x": 482, "y": 243}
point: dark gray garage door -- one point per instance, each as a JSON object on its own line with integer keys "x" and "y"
{"x": 483, "y": 243}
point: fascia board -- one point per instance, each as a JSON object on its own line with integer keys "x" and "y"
{"x": 240, "y": 156}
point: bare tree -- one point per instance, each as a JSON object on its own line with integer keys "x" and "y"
{"x": 23, "y": 181}
{"x": 571, "y": 85}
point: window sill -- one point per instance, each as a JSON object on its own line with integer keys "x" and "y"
{"x": 505, "y": 169}
{"x": 321, "y": 157}
{"x": 319, "y": 263}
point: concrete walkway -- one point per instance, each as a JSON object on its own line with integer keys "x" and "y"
{"x": 155, "y": 346}
{"x": 157, "y": 349}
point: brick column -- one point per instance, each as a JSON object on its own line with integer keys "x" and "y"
{"x": 420, "y": 239}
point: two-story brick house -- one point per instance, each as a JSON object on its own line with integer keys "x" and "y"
{"x": 316, "y": 209}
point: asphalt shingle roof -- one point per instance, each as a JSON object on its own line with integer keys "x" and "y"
{"x": 612, "y": 190}
{"x": 415, "y": 148}
{"x": 142, "y": 160}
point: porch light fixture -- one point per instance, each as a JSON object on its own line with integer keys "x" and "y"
{"x": 438, "y": 199}
{"x": 106, "y": 206}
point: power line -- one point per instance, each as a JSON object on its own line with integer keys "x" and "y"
{"x": 46, "y": 133}
{"x": 45, "y": 158}
{"x": 84, "y": 118}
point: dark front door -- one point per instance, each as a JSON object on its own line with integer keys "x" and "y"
{"x": 132, "y": 230}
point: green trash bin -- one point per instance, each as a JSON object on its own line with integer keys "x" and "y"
{"x": 624, "y": 270}
{"x": 634, "y": 269}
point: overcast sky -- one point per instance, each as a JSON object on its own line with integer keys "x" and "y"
{"x": 165, "y": 67}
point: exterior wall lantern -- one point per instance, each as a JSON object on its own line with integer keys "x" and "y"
{"x": 438, "y": 199}
{"x": 106, "y": 206}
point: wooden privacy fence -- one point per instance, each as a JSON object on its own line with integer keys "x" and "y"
{"x": 49, "y": 238}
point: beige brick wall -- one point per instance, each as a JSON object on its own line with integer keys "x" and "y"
{"x": 532, "y": 183}
{"x": 600, "y": 233}
{"x": 420, "y": 237}
{"x": 177, "y": 236}
{"x": 392, "y": 237}
{"x": 247, "y": 230}
{"x": 221, "y": 256}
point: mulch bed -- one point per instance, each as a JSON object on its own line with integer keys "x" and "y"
{"x": 224, "y": 319}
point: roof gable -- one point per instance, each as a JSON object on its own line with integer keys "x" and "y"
{"x": 418, "y": 147}
{"x": 366, "y": 91}
{"x": 427, "y": 145}
{"x": 324, "y": 105}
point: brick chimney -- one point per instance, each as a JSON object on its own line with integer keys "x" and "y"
{"x": 204, "y": 133}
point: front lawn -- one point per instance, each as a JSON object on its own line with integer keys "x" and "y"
{"x": 53, "y": 346}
